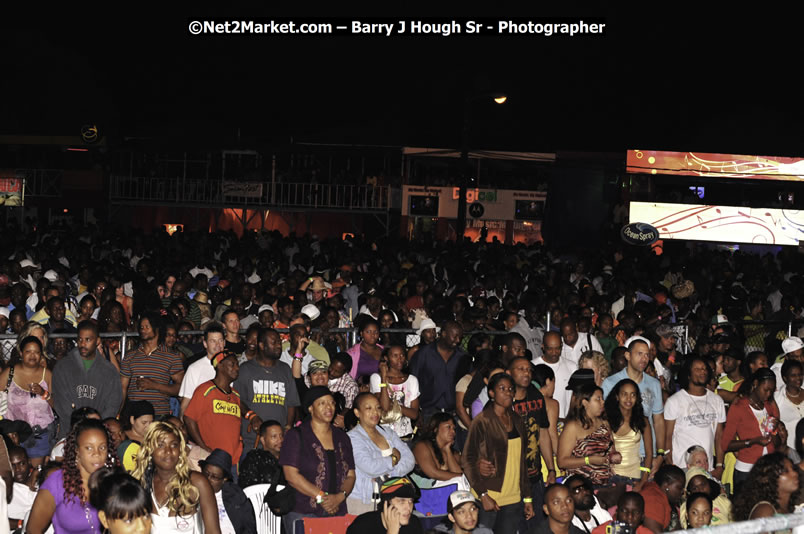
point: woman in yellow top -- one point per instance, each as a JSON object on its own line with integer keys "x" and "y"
{"x": 629, "y": 428}
{"x": 701, "y": 481}
{"x": 498, "y": 435}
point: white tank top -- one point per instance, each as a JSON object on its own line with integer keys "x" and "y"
{"x": 162, "y": 522}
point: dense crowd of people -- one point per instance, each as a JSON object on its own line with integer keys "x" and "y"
{"x": 446, "y": 387}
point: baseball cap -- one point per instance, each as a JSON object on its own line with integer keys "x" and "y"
{"x": 317, "y": 366}
{"x": 792, "y": 344}
{"x": 665, "y": 330}
{"x": 459, "y": 498}
{"x": 719, "y": 319}
{"x": 222, "y": 355}
{"x": 631, "y": 339}
{"x": 311, "y": 311}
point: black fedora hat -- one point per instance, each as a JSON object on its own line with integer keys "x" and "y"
{"x": 219, "y": 458}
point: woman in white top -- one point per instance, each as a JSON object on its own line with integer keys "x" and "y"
{"x": 183, "y": 499}
{"x": 393, "y": 385}
{"x": 789, "y": 398}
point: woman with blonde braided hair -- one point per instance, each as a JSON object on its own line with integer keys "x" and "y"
{"x": 183, "y": 499}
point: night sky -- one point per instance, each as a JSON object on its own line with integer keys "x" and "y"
{"x": 675, "y": 79}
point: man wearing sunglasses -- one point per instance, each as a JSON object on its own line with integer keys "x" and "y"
{"x": 589, "y": 514}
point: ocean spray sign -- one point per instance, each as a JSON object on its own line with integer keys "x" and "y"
{"x": 640, "y": 234}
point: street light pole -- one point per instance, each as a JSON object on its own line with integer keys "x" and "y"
{"x": 463, "y": 177}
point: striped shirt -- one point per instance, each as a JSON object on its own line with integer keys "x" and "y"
{"x": 159, "y": 365}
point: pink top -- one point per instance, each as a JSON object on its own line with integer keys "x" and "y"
{"x": 33, "y": 410}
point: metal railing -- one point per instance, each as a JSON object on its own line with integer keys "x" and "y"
{"x": 178, "y": 191}
{"x": 753, "y": 526}
{"x": 351, "y": 333}
{"x": 41, "y": 182}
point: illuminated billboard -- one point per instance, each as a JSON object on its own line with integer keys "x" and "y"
{"x": 715, "y": 165}
{"x": 11, "y": 189}
{"x": 730, "y": 224}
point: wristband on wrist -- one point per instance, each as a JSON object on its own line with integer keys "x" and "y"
{"x": 46, "y": 395}
{"x": 720, "y": 464}
{"x": 320, "y": 497}
{"x": 298, "y": 356}
{"x": 586, "y": 460}
{"x": 383, "y": 385}
{"x": 661, "y": 451}
{"x": 645, "y": 469}
{"x": 527, "y": 500}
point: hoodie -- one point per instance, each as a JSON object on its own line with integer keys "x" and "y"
{"x": 75, "y": 387}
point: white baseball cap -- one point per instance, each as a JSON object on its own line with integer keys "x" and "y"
{"x": 792, "y": 344}
{"x": 458, "y": 498}
{"x": 636, "y": 338}
{"x": 311, "y": 311}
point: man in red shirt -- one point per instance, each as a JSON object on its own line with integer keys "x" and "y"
{"x": 662, "y": 495}
{"x": 215, "y": 410}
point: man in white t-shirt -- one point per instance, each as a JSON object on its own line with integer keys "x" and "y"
{"x": 695, "y": 416}
{"x": 202, "y": 371}
{"x": 793, "y": 348}
{"x": 562, "y": 368}
{"x": 574, "y": 344}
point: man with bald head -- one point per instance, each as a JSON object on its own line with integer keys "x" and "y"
{"x": 574, "y": 344}
{"x": 438, "y": 367}
{"x": 562, "y": 368}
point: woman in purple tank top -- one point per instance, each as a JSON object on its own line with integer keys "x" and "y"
{"x": 63, "y": 499}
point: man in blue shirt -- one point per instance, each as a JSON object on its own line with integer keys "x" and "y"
{"x": 437, "y": 366}
{"x": 637, "y": 356}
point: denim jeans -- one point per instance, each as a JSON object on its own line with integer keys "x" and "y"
{"x": 507, "y": 520}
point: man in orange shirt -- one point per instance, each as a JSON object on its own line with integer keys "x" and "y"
{"x": 215, "y": 410}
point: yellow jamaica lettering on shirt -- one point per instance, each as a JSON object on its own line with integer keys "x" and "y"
{"x": 228, "y": 408}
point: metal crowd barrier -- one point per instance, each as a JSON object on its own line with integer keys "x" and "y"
{"x": 352, "y": 334}
{"x": 753, "y": 526}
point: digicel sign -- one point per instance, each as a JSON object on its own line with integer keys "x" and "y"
{"x": 473, "y": 195}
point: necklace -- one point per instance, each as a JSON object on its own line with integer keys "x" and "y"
{"x": 89, "y": 518}
{"x": 797, "y": 395}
